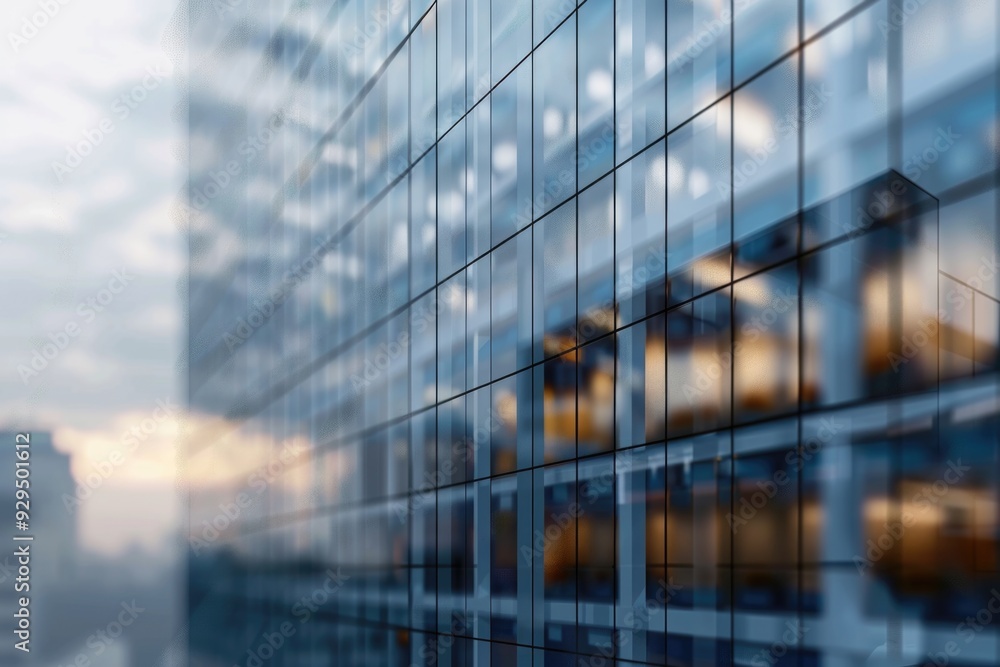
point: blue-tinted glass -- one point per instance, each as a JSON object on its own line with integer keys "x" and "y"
{"x": 451, "y": 202}
{"x": 596, "y": 397}
{"x": 699, "y": 47}
{"x": 752, "y": 52}
{"x": 511, "y": 29}
{"x": 511, "y": 306}
{"x": 423, "y": 86}
{"x": 555, "y": 409}
{"x": 512, "y": 407}
{"x": 423, "y": 351}
{"x": 699, "y": 360}
{"x": 510, "y": 559}
{"x": 553, "y": 556}
{"x": 765, "y": 159}
{"x": 554, "y": 121}
{"x": 477, "y": 182}
{"x": 423, "y": 223}
{"x": 607, "y": 375}
{"x": 451, "y": 63}
{"x": 865, "y": 327}
{"x": 640, "y": 235}
{"x": 595, "y": 90}
{"x": 451, "y": 348}
{"x": 596, "y": 260}
{"x": 477, "y": 318}
{"x": 699, "y": 204}
{"x": 548, "y": 15}
{"x": 766, "y": 344}
{"x": 397, "y": 209}
{"x": 397, "y": 79}
{"x": 640, "y": 75}
{"x": 844, "y": 107}
{"x": 641, "y": 389}
{"x": 596, "y": 554}
{"x": 820, "y": 14}
{"x": 477, "y": 43}
{"x": 555, "y": 282}
{"x": 641, "y": 587}
{"x": 511, "y": 181}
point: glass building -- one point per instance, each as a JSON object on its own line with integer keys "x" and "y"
{"x": 614, "y": 332}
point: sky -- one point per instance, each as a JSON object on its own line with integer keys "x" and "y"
{"x": 91, "y": 253}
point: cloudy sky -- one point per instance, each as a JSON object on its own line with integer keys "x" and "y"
{"x": 88, "y": 245}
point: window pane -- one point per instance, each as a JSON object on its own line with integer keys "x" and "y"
{"x": 596, "y": 86}
{"x": 641, "y": 383}
{"x": 512, "y": 407}
{"x": 511, "y": 332}
{"x": 511, "y": 183}
{"x": 765, "y": 165}
{"x": 451, "y": 64}
{"x": 698, "y": 365}
{"x": 766, "y": 345}
{"x": 640, "y": 235}
{"x": 554, "y": 120}
{"x": 698, "y": 204}
{"x": 596, "y": 263}
{"x": 451, "y": 201}
{"x": 511, "y": 34}
{"x": 596, "y": 397}
{"x": 778, "y": 19}
{"x": 555, "y": 409}
{"x": 477, "y": 180}
{"x": 477, "y": 304}
{"x": 451, "y": 337}
{"x": 423, "y": 87}
{"x": 555, "y": 282}
{"x": 640, "y": 74}
{"x": 698, "y": 57}
{"x": 845, "y": 106}
{"x": 554, "y": 572}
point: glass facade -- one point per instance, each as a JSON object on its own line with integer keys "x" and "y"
{"x": 611, "y": 332}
